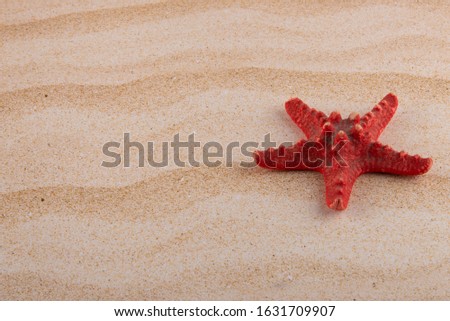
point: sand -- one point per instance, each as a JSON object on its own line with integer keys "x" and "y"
{"x": 75, "y": 76}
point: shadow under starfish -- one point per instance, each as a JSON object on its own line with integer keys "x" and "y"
{"x": 342, "y": 149}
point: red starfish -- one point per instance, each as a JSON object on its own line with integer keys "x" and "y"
{"x": 342, "y": 149}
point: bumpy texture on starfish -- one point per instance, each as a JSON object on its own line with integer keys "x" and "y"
{"x": 342, "y": 149}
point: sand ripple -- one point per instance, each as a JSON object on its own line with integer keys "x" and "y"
{"x": 74, "y": 76}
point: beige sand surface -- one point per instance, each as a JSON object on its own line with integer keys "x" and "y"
{"x": 75, "y": 76}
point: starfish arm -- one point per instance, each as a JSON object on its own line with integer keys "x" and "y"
{"x": 308, "y": 119}
{"x": 339, "y": 182}
{"x": 383, "y": 159}
{"x": 376, "y": 120}
{"x": 296, "y": 157}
